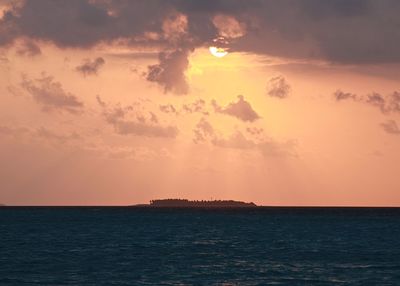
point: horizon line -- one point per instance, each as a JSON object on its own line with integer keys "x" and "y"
{"x": 257, "y": 206}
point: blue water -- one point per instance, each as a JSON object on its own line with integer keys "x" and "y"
{"x": 127, "y": 246}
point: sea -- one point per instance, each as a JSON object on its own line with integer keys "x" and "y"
{"x": 145, "y": 246}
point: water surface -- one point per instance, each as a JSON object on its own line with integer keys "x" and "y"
{"x": 263, "y": 246}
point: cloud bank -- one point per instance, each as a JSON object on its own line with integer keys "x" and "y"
{"x": 304, "y": 29}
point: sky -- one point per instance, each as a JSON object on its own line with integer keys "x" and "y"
{"x": 119, "y": 102}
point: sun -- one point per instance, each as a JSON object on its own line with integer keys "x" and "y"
{"x": 218, "y": 52}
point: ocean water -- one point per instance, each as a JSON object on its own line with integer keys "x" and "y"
{"x": 266, "y": 246}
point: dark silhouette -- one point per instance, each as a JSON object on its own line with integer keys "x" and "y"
{"x": 183, "y": 203}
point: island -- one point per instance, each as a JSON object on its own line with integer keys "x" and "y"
{"x": 184, "y": 203}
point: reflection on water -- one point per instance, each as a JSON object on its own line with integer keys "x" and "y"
{"x": 127, "y": 246}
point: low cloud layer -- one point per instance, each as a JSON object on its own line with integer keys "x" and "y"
{"x": 240, "y": 109}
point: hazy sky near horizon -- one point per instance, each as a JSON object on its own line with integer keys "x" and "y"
{"x": 120, "y": 102}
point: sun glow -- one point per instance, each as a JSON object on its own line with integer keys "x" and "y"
{"x": 218, "y": 52}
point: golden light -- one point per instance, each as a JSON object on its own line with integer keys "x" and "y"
{"x": 218, "y": 52}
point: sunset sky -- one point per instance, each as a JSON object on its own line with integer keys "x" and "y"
{"x": 119, "y": 102}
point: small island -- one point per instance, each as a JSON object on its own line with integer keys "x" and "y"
{"x": 184, "y": 203}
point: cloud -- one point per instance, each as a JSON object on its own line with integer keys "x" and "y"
{"x": 168, "y": 108}
{"x": 126, "y": 127}
{"x": 40, "y": 133}
{"x": 304, "y": 29}
{"x": 51, "y": 95}
{"x": 236, "y": 141}
{"x": 240, "y": 109}
{"x": 113, "y": 152}
{"x": 386, "y": 103}
{"x": 13, "y": 131}
{"x": 3, "y": 59}
{"x": 254, "y": 130}
{"x": 174, "y": 27}
{"x": 89, "y": 67}
{"x": 50, "y": 135}
{"x": 228, "y": 26}
{"x": 340, "y": 95}
{"x": 170, "y": 71}
{"x": 278, "y": 87}
{"x": 199, "y": 106}
{"x": 130, "y": 121}
{"x": 375, "y": 99}
{"x": 267, "y": 146}
{"x": 391, "y": 127}
{"x": 100, "y": 101}
{"x": 28, "y": 48}
{"x": 204, "y": 132}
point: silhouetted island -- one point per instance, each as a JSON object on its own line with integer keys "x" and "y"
{"x": 183, "y": 203}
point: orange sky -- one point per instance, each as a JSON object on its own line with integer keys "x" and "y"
{"x": 153, "y": 114}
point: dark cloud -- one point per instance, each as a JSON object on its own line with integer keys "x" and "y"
{"x": 375, "y": 99}
{"x": 100, "y": 101}
{"x": 89, "y": 67}
{"x": 240, "y": 109}
{"x": 168, "y": 108}
{"x": 170, "y": 71}
{"x": 325, "y": 30}
{"x": 28, "y": 48}
{"x": 199, "y": 106}
{"x": 386, "y": 103}
{"x": 391, "y": 127}
{"x": 130, "y": 121}
{"x": 51, "y": 95}
{"x": 278, "y": 87}
{"x": 344, "y": 31}
{"x": 203, "y": 131}
{"x": 340, "y": 95}
{"x": 393, "y": 102}
{"x": 254, "y": 130}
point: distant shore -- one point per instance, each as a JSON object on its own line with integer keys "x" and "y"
{"x": 184, "y": 203}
